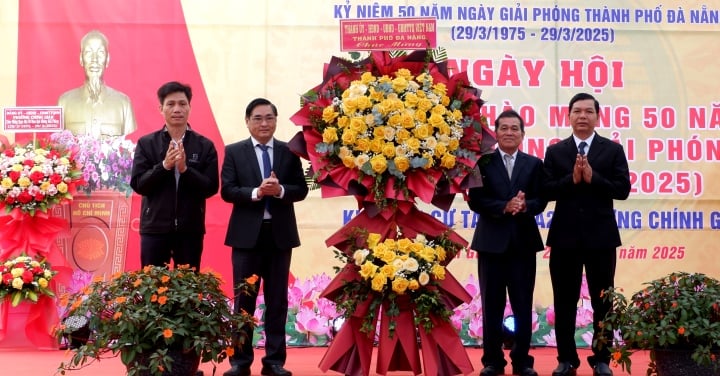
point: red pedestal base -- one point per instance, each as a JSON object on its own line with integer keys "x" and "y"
{"x": 14, "y": 320}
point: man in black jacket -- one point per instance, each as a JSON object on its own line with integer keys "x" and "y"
{"x": 175, "y": 169}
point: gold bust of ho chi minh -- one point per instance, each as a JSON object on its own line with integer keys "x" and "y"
{"x": 94, "y": 108}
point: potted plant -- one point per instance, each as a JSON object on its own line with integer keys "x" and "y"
{"x": 676, "y": 315}
{"x": 157, "y": 319}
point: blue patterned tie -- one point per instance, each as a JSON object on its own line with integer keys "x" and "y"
{"x": 266, "y": 169}
{"x": 581, "y": 147}
{"x": 266, "y": 160}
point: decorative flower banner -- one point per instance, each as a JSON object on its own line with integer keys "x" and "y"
{"x": 389, "y": 130}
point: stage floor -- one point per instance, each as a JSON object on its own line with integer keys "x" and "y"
{"x": 301, "y": 361}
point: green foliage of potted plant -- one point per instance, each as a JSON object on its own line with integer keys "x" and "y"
{"x": 149, "y": 314}
{"x": 680, "y": 311}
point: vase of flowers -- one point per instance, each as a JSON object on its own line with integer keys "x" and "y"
{"x": 148, "y": 315}
{"x": 675, "y": 314}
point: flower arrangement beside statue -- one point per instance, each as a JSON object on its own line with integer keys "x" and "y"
{"x": 106, "y": 162}
{"x": 34, "y": 177}
{"x": 148, "y": 315}
{"x": 680, "y": 311}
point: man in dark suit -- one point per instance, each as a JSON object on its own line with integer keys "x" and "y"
{"x": 507, "y": 239}
{"x": 585, "y": 173}
{"x": 262, "y": 178}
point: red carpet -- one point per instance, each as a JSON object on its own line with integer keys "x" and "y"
{"x": 301, "y": 361}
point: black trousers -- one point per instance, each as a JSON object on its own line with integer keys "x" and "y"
{"x": 510, "y": 274}
{"x": 272, "y": 266}
{"x": 566, "y": 269}
{"x": 184, "y": 248}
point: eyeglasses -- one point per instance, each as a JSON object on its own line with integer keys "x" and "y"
{"x": 260, "y": 119}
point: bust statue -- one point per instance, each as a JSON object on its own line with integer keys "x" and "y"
{"x": 95, "y": 108}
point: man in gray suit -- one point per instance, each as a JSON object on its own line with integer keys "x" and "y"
{"x": 263, "y": 179}
{"x": 585, "y": 173}
{"x": 507, "y": 239}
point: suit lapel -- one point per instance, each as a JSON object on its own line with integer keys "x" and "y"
{"x": 250, "y": 157}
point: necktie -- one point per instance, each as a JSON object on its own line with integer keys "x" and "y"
{"x": 509, "y": 164}
{"x": 266, "y": 169}
{"x": 265, "y": 160}
{"x": 581, "y": 147}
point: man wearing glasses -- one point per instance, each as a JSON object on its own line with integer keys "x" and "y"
{"x": 263, "y": 179}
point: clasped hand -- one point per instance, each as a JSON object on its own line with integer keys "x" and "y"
{"x": 516, "y": 204}
{"x": 175, "y": 157}
{"x": 582, "y": 171}
{"x": 270, "y": 186}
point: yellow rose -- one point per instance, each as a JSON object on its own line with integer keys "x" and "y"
{"x": 427, "y": 254}
{"x": 330, "y": 135}
{"x": 379, "y": 132}
{"x": 368, "y": 270}
{"x": 388, "y": 257}
{"x": 403, "y": 244}
{"x": 24, "y": 182}
{"x": 63, "y": 161}
{"x": 402, "y": 135}
{"x": 424, "y": 105}
{"x": 364, "y": 103}
{"x": 422, "y": 131}
{"x": 413, "y": 144}
{"x": 17, "y": 272}
{"x": 440, "y": 252}
{"x": 402, "y": 163}
{"x": 447, "y": 161}
{"x": 399, "y": 84}
{"x": 376, "y": 145}
{"x": 400, "y": 285}
{"x": 16, "y": 167}
{"x": 411, "y": 100}
{"x": 349, "y": 105}
{"x": 329, "y": 114}
{"x": 362, "y": 145}
{"x": 7, "y": 183}
{"x": 343, "y": 122}
{"x": 378, "y": 163}
{"x": 407, "y": 121}
{"x": 378, "y": 282}
{"x": 36, "y": 168}
{"x": 367, "y": 78}
{"x": 453, "y": 144}
{"x": 436, "y": 120}
{"x": 62, "y": 187}
{"x": 440, "y": 88}
{"x": 388, "y": 271}
{"x": 444, "y": 129}
{"x": 42, "y": 282}
{"x": 440, "y": 149}
{"x": 357, "y": 124}
{"x": 376, "y": 96}
{"x": 349, "y": 137}
{"x": 348, "y": 161}
{"x": 373, "y": 239}
{"x": 413, "y": 285}
{"x": 404, "y": 73}
{"x": 457, "y": 114}
{"x": 425, "y": 77}
{"x": 438, "y": 271}
{"x": 445, "y": 101}
{"x": 388, "y": 150}
{"x": 421, "y": 116}
{"x": 395, "y": 120}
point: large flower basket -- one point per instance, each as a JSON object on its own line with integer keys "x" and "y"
{"x": 391, "y": 129}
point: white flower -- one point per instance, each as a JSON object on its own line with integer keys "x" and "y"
{"x": 411, "y": 264}
{"x": 360, "y": 255}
